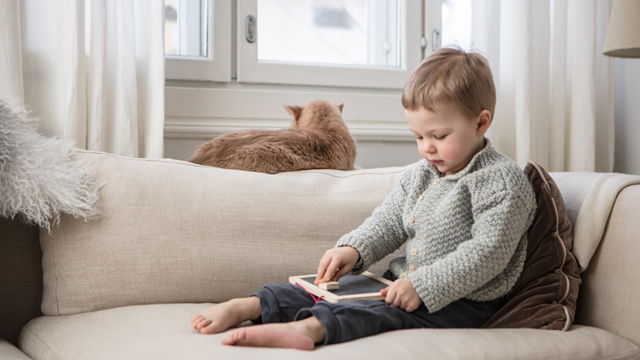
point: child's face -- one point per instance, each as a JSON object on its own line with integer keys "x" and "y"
{"x": 447, "y": 138}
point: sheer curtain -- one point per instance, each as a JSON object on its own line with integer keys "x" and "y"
{"x": 555, "y": 88}
{"x": 91, "y": 70}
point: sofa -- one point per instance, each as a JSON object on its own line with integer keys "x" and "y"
{"x": 173, "y": 238}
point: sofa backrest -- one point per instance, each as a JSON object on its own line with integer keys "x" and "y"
{"x": 172, "y": 231}
{"x": 20, "y": 277}
{"x": 610, "y": 290}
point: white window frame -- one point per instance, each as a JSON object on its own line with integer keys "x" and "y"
{"x": 216, "y": 66}
{"x": 252, "y": 70}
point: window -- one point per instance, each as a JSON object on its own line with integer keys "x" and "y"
{"x": 356, "y": 32}
{"x": 361, "y": 43}
{"x": 354, "y": 43}
{"x": 198, "y": 40}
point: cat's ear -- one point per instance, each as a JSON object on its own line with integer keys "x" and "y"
{"x": 294, "y": 110}
{"x": 340, "y": 105}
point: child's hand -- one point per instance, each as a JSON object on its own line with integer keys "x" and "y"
{"x": 402, "y": 294}
{"x": 335, "y": 263}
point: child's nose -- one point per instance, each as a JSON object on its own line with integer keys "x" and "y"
{"x": 429, "y": 147}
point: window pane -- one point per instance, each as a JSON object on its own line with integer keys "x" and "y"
{"x": 185, "y": 27}
{"x": 456, "y": 23}
{"x": 351, "y": 32}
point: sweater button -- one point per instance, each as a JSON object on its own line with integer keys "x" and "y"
{"x": 414, "y": 251}
{"x": 412, "y": 218}
{"x": 412, "y": 268}
{"x": 421, "y": 198}
{"x": 436, "y": 182}
{"x": 403, "y": 275}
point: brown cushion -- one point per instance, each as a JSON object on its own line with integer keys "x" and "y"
{"x": 545, "y": 294}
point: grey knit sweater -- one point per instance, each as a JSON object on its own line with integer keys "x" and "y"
{"x": 465, "y": 234}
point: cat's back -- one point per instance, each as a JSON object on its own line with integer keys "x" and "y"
{"x": 318, "y": 138}
{"x": 221, "y": 150}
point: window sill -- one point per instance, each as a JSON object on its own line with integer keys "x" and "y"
{"x": 207, "y": 110}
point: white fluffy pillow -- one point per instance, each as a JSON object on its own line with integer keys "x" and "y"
{"x": 38, "y": 179}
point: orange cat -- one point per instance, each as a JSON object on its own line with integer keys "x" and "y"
{"x": 317, "y": 139}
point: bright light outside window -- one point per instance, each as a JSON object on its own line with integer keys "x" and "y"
{"x": 185, "y": 28}
{"x": 346, "y": 32}
{"x": 456, "y": 23}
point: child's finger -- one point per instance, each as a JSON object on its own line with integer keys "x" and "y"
{"x": 397, "y": 302}
{"x": 390, "y": 296}
{"x": 320, "y": 277}
{"x": 331, "y": 269}
{"x": 325, "y": 272}
{"x": 384, "y": 291}
{"x": 322, "y": 268}
{"x": 343, "y": 270}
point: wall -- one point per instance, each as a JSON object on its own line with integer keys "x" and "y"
{"x": 198, "y": 112}
{"x": 627, "y": 116}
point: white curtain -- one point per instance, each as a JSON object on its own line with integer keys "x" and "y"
{"x": 91, "y": 70}
{"x": 555, "y": 88}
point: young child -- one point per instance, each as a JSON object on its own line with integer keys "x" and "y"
{"x": 463, "y": 213}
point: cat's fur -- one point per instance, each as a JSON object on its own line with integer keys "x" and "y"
{"x": 317, "y": 139}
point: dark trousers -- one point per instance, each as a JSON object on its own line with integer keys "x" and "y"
{"x": 356, "y": 319}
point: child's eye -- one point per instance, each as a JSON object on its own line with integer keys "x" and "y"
{"x": 439, "y": 137}
{"x": 418, "y": 137}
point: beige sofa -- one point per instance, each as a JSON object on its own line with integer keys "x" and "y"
{"x": 175, "y": 237}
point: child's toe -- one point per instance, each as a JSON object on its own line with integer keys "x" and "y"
{"x": 202, "y": 322}
{"x": 208, "y": 327}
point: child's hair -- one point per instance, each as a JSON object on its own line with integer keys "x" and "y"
{"x": 451, "y": 76}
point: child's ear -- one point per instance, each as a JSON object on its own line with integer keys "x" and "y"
{"x": 340, "y": 105}
{"x": 483, "y": 121}
{"x": 294, "y": 110}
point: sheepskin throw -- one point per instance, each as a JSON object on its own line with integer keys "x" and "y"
{"x": 38, "y": 179}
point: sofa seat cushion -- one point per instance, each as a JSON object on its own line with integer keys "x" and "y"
{"x": 164, "y": 332}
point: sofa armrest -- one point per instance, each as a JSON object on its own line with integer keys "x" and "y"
{"x": 610, "y": 290}
{"x": 10, "y": 352}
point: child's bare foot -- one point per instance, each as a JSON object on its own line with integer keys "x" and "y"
{"x": 221, "y": 317}
{"x": 301, "y": 335}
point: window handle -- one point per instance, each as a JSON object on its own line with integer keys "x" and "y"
{"x": 435, "y": 39}
{"x": 250, "y": 28}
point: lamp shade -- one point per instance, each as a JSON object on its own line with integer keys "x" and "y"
{"x": 623, "y": 33}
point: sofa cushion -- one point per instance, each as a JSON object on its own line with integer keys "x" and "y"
{"x": 545, "y": 294}
{"x": 173, "y": 231}
{"x": 164, "y": 332}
